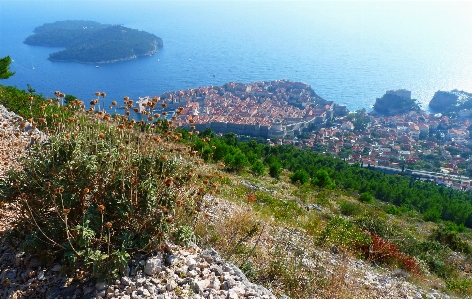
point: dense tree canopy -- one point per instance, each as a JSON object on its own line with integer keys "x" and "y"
{"x": 433, "y": 202}
{"x": 92, "y": 42}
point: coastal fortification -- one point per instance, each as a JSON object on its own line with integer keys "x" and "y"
{"x": 271, "y": 109}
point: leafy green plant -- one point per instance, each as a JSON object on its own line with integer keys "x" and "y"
{"x": 366, "y": 197}
{"x": 184, "y": 235}
{"x": 343, "y": 232}
{"x": 99, "y": 191}
{"x": 300, "y": 176}
{"x": 349, "y": 208}
{"x": 248, "y": 270}
{"x": 451, "y": 239}
{"x": 462, "y": 285}
{"x": 282, "y": 210}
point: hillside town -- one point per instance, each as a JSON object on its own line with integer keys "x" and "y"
{"x": 435, "y": 146}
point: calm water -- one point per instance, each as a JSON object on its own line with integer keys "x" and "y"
{"x": 350, "y": 52}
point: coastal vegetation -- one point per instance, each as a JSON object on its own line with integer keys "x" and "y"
{"x": 92, "y": 42}
{"x": 451, "y": 102}
{"x": 98, "y": 191}
{"x": 391, "y": 104}
{"x": 5, "y": 72}
{"x": 95, "y": 215}
{"x": 408, "y": 193}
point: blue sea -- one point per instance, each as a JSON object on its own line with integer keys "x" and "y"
{"x": 349, "y": 52}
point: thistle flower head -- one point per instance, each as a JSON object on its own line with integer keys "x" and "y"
{"x": 168, "y": 181}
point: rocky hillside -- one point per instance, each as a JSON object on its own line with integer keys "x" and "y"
{"x": 225, "y": 234}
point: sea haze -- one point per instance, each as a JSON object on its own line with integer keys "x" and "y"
{"x": 350, "y": 52}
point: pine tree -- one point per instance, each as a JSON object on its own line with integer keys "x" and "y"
{"x": 5, "y": 68}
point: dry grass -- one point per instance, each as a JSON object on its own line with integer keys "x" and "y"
{"x": 285, "y": 256}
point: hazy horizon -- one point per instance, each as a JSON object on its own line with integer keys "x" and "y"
{"x": 348, "y": 51}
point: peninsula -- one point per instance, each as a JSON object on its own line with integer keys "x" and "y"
{"x": 93, "y": 42}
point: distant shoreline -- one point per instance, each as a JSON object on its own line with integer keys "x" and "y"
{"x": 90, "y": 42}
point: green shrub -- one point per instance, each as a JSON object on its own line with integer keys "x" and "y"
{"x": 322, "y": 180}
{"x": 349, "y": 208}
{"x": 96, "y": 193}
{"x": 184, "y": 235}
{"x": 366, "y": 197}
{"x": 282, "y": 210}
{"x": 258, "y": 168}
{"x": 275, "y": 169}
{"x": 345, "y": 233}
{"x": 248, "y": 270}
{"x": 462, "y": 285}
{"x": 300, "y": 176}
{"x": 393, "y": 210}
{"x": 374, "y": 224}
{"x": 451, "y": 239}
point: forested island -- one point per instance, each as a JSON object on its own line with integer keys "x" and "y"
{"x": 450, "y": 102}
{"x": 93, "y": 42}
